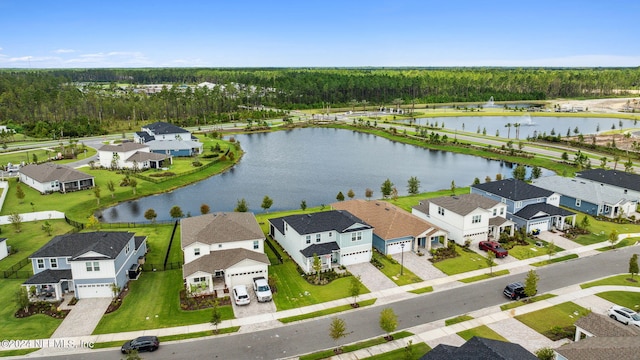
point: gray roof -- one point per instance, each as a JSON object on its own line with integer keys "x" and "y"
{"x": 320, "y": 249}
{"x": 221, "y": 227}
{"x": 460, "y": 204}
{"x": 478, "y": 348}
{"x": 156, "y": 145}
{"x": 163, "y": 128}
{"x": 612, "y": 177}
{"x": 48, "y": 172}
{"x": 602, "y": 348}
{"x": 141, "y": 156}
{"x": 145, "y": 136}
{"x": 603, "y": 326}
{"x": 583, "y": 190}
{"x": 336, "y": 220}
{"x": 513, "y": 189}
{"x": 222, "y": 260}
{"x": 123, "y": 147}
{"x": 49, "y": 277}
{"x": 109, "y": 244}
{"x": 530, "y": 211}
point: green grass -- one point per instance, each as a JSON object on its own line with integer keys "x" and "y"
{"x": 392, "y": 270}
{"x": 485, "y": 276}
{"x": 562, "y": 315}
{"x": 158, "y": 237}
{"x": 613, "y": 280}
{"x": 599, "y": 230}
{"x": 467, "y": 261}
{"x": 18, "y": 352}
{"x": 426, "y": 289}
{"x": 407, "y": 202}
{"x": 457, "y": 319}
{"x": 481, "y": 331}
{"x": 522, "y": 252}
{"x": 32, "y": 327}
{"x": 515, "y": 304}
{"x": 324, "y": 312}
{"x": 620, "y": 244}
{"x": 417, "y": 351}
{"x": 193, "y": 335}
{"x": 627, "y": 299}
{"x": 353, "y": 347}
{"x": 555, "y": 260}
{"x": 153, "y": 302}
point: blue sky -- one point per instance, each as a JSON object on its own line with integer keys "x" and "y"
{"x": 309, "y": 33}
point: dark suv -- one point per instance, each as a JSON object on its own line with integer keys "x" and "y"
{"x": 514, "y": 291}
{"x": 142, "y": 343}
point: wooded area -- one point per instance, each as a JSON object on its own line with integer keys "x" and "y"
{"x": 78, "y": 102}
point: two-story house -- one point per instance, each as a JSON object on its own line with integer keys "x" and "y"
{"x": 50, "y": 177}
{"x": 90, "y": 264}
{"x": 131, "y": 155}
{"x": 336, "y": 237}
{"x": 222, "y": 250}
{"x": 169, "y": 139}
{"x": 394, "y": 229}
{"x": 528, "y": 206}
{"x": 625, "y": 182}
{"x": 466, "y": 217}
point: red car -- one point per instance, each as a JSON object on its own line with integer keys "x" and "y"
{"x": 494, "y": 247}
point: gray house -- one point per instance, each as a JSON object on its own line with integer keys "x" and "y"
{"x": 627, "y": 183}
{"x": 168, "y": 139}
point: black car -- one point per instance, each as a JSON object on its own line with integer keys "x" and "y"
{"x": 142, "y": 343}
{"x": 514, "y": 291}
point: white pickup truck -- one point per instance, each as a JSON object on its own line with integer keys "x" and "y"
{"x": 262, "y": 289}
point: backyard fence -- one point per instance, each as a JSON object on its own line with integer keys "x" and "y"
{"x": 14, "y": 271}
{"x": 161, "y": 267}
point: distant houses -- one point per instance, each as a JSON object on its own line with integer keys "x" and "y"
{"x": 168, "y": 139}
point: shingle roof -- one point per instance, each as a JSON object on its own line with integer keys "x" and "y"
{"x": 51, "y": 172}
{"x": 478, "y": 348}
{"x": 320, "y": 249}
{"x": 460, "y": 204}
{"x": 336, "y": 220}
{"x": 123, "y": 147}
{"x": 513, "y": 189}
{"x": 220, "y": 227}
{"x": 602, "y": 326}
{"x": 49, "y": 277}
{"x": 602, "y": 348}
{"x": 222, "y": 260}
{"x": 172, "y": 144}
{"x": 160, "y": 128}
{"x": 612, "y": 177}
{"x": 109, "y": 244}
{"x": 388, "y": 220}
{"x": 581, "y": 189}
{"x": 145, "y": 136}
{"x": 141, "y": 156}
{"x": 529, "y": 212}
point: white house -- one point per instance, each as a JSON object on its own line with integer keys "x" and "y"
{"x": 336, "y": 237}
{"x": 130, "y": 155}
{"x": 4, "y": 250}
{"x": 89, "y": 264}
{"x": 466, "y": 216}
{"x": 169, "y": 139}
{"x": 50, "y": 177}
{"x": 225, "y": 248}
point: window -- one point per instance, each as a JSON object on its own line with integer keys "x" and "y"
{"x": 96, "y": 266}
{"x": 92, "y": 266}
{"x": 606, "y": 209}
{"x": 127, "y": 248}
{"x": 330, "y": 234}
{"x": 88, "y": 265}
{"x": 54, "y": 263}
{"x": 476, "y": 219}
{"x": 199, "y": 279}
{"x": 578, "y": 202}
{"x": 196, "y": 251}
{"x": 308, "y": 239}
{"x": 495, "y": 212}
{"x": 318, "y": 237}
{"x": 440, "y": 210}
{"x": 356, "y": 236}
{"x": 518, "y": 204}
{"x": 256, "y": 244}
{"x": 219, "y": 246}
{"x": 501, "y": 211}
{"x": 40, "y": 263}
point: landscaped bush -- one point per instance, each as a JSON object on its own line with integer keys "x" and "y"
{"x": 196, "y": 163}
{"x": 573, "y": 232}
{"x": 375, "y": 262}
{"x": 200, "y": 302}
{"x": 444, "y": 253}
{"x": 559, "y": 333}
{"x": 210, "y": 156}
{"x": 43, "y": 307}
{"x": 162, "y": 174}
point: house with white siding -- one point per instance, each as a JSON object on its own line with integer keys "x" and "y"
{"x": 131, "y": 155}
{"x": 626, "y": 182}
{"x": 169, "y": 139}
{"x": 51, "y": 177}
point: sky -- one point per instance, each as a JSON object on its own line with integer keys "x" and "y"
{"x": 310, "y": 33}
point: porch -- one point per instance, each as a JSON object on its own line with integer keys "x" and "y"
{"x": 49, "y": 285}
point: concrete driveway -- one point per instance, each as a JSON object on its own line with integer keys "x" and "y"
{"x": 371, "y": 277}
{"x": 419, "y": 265}
{"x": 254, "y": 308}
{"x": 83, "y": 318}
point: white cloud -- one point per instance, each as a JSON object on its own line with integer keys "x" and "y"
{"x": 63, "y": 51}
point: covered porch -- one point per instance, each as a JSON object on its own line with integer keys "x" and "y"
{"x": 76, "y": 185}
{"x": 328, "y": 253}
{"x": 49, "y": 285}
{"x": 498, "y": 225}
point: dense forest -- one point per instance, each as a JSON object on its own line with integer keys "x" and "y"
{"x": 77, "y": 102}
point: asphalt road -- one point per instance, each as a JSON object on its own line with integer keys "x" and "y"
{"x": 308, "y": 336}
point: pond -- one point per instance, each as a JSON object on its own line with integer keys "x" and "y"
{"x": 314, "y": 164}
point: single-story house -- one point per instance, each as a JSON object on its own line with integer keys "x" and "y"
{"x": 50, "y": 177}
{"x": 589, "y": 197}
{"x": 131, "y": 155}
{"x": 169, "y": 139}
{"x": 337, "y": 237}
{"x": 222, "y": 250}
{"x": 466, "y": 216}
{"x": 4, "y": 249}
{"x": 626, "y": 182}
{"x": 92, "y": 265}
{"x": 480, "y": 348}
{"x": 395, "y": 230}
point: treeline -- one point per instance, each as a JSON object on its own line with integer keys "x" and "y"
{"x": 76, "y": 102}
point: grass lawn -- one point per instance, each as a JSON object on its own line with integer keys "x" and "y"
{"x": 407, "y": 202}
{"x": 353, "y": 347}
{"x": 417, "y": 351}
{"x": 481, "y": 331}
{"x": 599, "y": 230}
{"x": 332, "y": 310}
{"x": 153, "y": 302}
{"x": 467, "y": 261}
{"x": 515, "y": 304}
{"x": 32, "y": 327}
{"x": 562, "y": 315}
{"x": 613, "y": 280}
{"x": 522, "y": 252}
{"x": 485, "y": 276}
{"x": 392, "y": 270}
{"x": 627, "y": 299}
{"x": 158, "y": 237}
{"x": 457, "y": 319}
{"x": 423, "y": 290}
{"x": 555, "y": 260}
{"x": 620, "y": 244}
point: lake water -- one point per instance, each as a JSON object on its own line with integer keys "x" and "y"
{"x": 314, "y": 164}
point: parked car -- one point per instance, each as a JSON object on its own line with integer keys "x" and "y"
{"x": 494, "y": 247}
{"x": 142, "y": 343}
{"x": 241, "y": 295}
{"x": 514, "y": 291}
{"x": 624, "y": 315}
{"x": 262, "y": 289}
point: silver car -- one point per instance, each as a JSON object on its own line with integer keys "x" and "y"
{"x": 624, "y": 315}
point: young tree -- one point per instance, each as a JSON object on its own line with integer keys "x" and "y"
{"x": 204, "y": 209}
{"x": 368, "y": 193}
{"x": 216, "y": 315}
{"x": 317, "y": 268}
{"x": 487, "y": 179}
{"x": 150, "y": 215}
{"x": 16, "y": 221}
{"x": 96, "y": 193}
{"x": 584, "y": 223}
{"x": 386, "y": 188}
{"x": 266, "y": 203}
{"x": 536, "y": 172}
{"x": 490, "y": 263}
{"x": 20, "y": 193}
{"x": 303, "y": 205}
{"x": 633, "y": 265}
{"x": 111, "y": 186}
{"x": 408, "y": 351}
{"x": 545, "y": 353}
{"x": 498, "y": 177}
{"x": 476, "y": 181}
{"x": 134, "y": 185}
{"x": 551, "y": 249}
{"x": 22, "y": 298}
{"x": 613, "y": 237}
{"x": 388, "y": 322}
{"x": 354, "y": 289}
{"x": 93, "y": 222}
{"x": 453, "y": 187}
{"x": 531, "y": 283}
{"x": 351, "y": 194}
{"x": 520, "y": 172}
{"x": 340, "y": 196}
{"x": 241, "y": 206}
{"x": 413, "y": 185}
{"x": 337, "y": 330}
{"x": 47, "y": 227}
{"x": 176, "y": 212}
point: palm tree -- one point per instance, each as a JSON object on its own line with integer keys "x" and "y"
{"x": 517, "y": 126}
{"x": 508, "y": 126}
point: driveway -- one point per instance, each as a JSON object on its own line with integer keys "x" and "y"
{"x": 83, "y": 318}
{"x": 371, "y": 277}
{"x": 419, "y": 265}
{"x": 254, "y": 308}
{"x": 558, "y": 240}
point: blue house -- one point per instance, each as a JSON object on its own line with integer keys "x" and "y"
{"x": 89, "y": 264}
{"x": 528, "y": 206}
{"x": 168, "y": 139}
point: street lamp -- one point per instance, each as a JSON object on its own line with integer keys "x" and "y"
{"x": 402, "y": 258}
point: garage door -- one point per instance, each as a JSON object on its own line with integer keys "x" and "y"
{"x": 355, "y": 258}
{"x": 396, "y": 248}
{"x": 243, "y": 278}
{"x": 94, "y": 291}
{"x": 540, "y": 225}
